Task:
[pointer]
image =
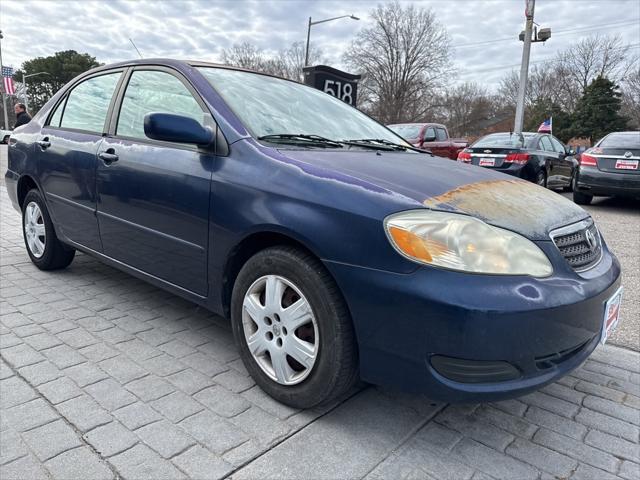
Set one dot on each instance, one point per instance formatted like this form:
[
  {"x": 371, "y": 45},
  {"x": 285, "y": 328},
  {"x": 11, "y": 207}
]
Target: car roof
[{"x": 417, "y": 124}]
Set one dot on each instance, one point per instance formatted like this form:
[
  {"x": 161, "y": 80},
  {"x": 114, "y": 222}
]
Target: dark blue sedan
[{"x": 337, "y": 250}]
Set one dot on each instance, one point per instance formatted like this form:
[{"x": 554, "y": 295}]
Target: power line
[{"x": 559, "y": 32}]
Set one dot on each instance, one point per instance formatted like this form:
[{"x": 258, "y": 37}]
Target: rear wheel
[
  {"x": 43, "y": 246},
  {"x": 541, "y": 178},
  {"x": 293, "y": 328},
  {"x": 581, "y": 198}
]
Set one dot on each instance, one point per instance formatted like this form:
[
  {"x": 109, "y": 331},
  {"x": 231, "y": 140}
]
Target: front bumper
[
  {"x": 543, "y": 327},
  {"x": 593, "y": 181}
]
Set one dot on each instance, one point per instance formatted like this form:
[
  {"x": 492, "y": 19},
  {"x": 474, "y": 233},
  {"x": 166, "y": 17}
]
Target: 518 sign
[{"x": 341, "y": 90}]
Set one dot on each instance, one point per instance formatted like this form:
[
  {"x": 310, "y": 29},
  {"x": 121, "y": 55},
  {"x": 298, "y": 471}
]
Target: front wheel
[
  {"x": 44, "y": 248},
  {"x": 541, "y": 178},
  {"x": 293, "y": 328}
]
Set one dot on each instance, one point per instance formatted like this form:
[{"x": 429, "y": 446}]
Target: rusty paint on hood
[{"x": 516, "y": 205}]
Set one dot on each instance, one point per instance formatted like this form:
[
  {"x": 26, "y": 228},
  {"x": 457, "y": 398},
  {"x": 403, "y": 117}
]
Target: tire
[
  {"x": 327, "y": 331},
  {"x": 570, "y": 187},
  {"x": 44, "y": 248},
  {"x": 581, "y": 198},
  {"x": 541, "y": 178}
]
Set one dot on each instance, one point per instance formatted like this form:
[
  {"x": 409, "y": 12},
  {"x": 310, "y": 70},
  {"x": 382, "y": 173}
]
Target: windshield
[
  {"x": 621, "y": 140},
  {"x": 406, "y": 131},
  {"x": 271, "y": 106},
  {"x": 502, "y": 140}
]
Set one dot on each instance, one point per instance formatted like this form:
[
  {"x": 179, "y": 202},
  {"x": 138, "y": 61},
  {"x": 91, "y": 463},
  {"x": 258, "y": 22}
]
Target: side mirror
[
  {"x": 176, "y": 128},
  {"x": 570, "y": 151}
]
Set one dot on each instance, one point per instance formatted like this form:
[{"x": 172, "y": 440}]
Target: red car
[{"x": 430, "y": 136}]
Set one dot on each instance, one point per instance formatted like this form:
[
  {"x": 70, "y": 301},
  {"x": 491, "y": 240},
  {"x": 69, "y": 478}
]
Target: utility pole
[
  {"x": 311, "y": 23},
  {"x": 4, "y": 101},
  {"x": 524, "y": 67}
]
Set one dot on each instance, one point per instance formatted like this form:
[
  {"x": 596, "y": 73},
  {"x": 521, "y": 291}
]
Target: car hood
[{"x": 440, "y": 184}]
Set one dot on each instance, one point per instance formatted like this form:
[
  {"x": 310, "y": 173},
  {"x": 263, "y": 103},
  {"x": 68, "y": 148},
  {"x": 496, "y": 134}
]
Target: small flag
[
  {"x": 546, "y": 126},
  {"x": 7, "y": 81}
]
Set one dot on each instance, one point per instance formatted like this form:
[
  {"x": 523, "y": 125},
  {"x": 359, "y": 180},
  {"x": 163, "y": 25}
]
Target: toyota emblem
[{"x": 591, "y": 239}]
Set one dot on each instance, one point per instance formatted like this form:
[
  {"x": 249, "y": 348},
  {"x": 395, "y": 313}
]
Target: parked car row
[{"x": 430, "y": 136}]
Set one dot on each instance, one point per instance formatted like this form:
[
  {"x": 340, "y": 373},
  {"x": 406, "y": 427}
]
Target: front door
[
  {"x": 66, "y": 152},
  {"x": 153, "y": 197}
]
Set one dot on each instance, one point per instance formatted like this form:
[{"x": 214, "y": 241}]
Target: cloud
[{"x": 202, "y": 29}]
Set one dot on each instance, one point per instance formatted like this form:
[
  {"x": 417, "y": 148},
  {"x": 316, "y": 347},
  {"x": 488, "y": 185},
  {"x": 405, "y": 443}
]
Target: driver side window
[
  {"x": 545, "y": 144},
  {"x": 429, "y": 134}
]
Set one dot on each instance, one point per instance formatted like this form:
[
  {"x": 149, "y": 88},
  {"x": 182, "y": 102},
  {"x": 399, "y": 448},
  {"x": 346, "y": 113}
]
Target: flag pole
[{"x": 551, "y": 125}]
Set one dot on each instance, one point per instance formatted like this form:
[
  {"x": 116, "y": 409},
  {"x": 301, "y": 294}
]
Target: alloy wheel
[
  {"x": 34, "y": 229},
  {"x": 280, "y": 329}
]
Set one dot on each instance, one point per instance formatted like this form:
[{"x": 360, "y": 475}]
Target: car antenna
[{"x": 134, "y": 46}]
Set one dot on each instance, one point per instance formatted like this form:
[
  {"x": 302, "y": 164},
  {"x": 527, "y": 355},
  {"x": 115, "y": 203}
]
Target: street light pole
[
  {"x": 524, "y": 67},
  {"x": 24, "y": 81},
  {"x": 306, "y": 54},
  {"x": 4, "y": 102}
]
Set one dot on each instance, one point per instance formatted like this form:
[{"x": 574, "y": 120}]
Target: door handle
[
  {"x": 108, "y": 157},
  {"x": 44, "y": 143}
]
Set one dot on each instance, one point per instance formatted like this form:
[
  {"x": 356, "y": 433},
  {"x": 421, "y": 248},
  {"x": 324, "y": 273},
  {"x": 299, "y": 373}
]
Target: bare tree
[
  {"x": 464, "y": 106},
  {"x": 404, "y": 58},
  {"x": 286, "y": 63},
  {"x": 631, "y": 97}
]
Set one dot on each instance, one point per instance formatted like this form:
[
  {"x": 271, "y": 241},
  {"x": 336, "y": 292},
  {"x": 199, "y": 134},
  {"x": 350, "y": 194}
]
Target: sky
[{"x": 483, "y": 33}]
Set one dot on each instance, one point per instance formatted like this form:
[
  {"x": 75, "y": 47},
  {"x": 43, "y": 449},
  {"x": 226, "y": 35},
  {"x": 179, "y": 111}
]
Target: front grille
[{"x": 573, "y": 243}]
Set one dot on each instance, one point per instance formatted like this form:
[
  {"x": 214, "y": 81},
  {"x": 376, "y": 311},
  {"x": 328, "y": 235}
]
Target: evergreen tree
[
  {"x": 598, "y": 112},
  {"x": 544, "y": 108}
]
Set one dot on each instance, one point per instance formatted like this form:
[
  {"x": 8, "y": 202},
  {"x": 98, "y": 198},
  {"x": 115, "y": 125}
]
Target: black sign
[{"x": 335, "y": 82}]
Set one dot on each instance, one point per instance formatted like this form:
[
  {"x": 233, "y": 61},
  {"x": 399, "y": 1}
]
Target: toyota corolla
[{"x": 337, "y": 251}]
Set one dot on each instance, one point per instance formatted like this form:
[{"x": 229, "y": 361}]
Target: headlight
[{"x": 460, "y": 242}]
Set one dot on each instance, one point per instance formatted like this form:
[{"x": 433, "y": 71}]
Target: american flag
[
  {"x": 7, "y": 81},
  {"x": 546, "y": 126}
]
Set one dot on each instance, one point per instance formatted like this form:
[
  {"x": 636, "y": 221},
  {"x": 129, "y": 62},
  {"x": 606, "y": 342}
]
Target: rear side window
[
  {"x": 441, "y": 134},
  {"x": 545, "y": 144},
  {"x": 158, "y": 92},
  {"x": 87, "y": 104}
]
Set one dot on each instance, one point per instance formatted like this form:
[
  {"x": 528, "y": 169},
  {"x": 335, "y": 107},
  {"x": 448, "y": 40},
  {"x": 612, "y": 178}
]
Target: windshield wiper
[
  {"x": 301, "y": 139},
  {"x": 380, "y": 144}
]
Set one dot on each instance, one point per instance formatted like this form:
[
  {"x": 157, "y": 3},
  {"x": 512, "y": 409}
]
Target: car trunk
[
  {"x": 618, "y": 160},
  {"x": 491, "y": 156}
]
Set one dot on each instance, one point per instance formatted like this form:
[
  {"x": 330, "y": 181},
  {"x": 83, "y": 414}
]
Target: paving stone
[
  {"x": 136, "y": 415},
  {"x": 177, "y": 349},
  {"x": 110, "y": 394},
  {"x": 438, "y": 438},
  {"x": 492, "y": 462},
  {"x": 617, "y": 357},
  {"x": 85, "y": 374},
  {"x": 200, "y": 463},
  {"x": 627, "y": 387},
  {"x": 629, "y": 470},
  {"x": 9, "y": 340},
  {"x": 165, "y": 438},
  {"x": 215, "y": 433},
  {"x": 27, "y": 331},
  {"x": 79, "y": 463},
  {"x": 138, "y": 350},
  {"x": 14, "y": 391},
  {"x": 475, "y": 428},
  {"x": 600, "y": 391},
  {"x": 98, "y": 352},
  {"x": 613, "y": 409},
  {"x": 94, "y": 324},
  {"x": 84, "y": 413},
  {"x": 234, "y": 381},
  {"x": 122, "y": 369},
  {"x": 565, "y": 393},
  {"x": 256, "y": 396},
  {"x": 576, "y": 449},
  {"x": 77, "y": 338},
  {"x": 222, "y": 402},
  {"x": 63, "y": 356},
  {"x": 608, "y": 424},
  {"x": 110, "y": 439},
  {"x": 261, "y": 426},
  {"x": 24, "y": 468},
  {"x": 114, "y": 335},
  {"x": 204, "y": 364},
  {"x": 11, "y": 447},
  {"x": 13, "y": 320},
  {"x": 163, "y": 365},
  {"x": 614, "y": 445},
  {"x": 552, "y": 404},
  {"x": 28, "y": 415},
  {"x": 40, "y": 373},
  {"x": 176, "y": 406},
  {"x": 43, "y": 341},
  {"x": 59, "y": 326},
  {"x": 542, "y": 458},
  {"x": 150, "y": 388},
  {"x": 510, "y": 423},
  {"x": 21, "y": 355},
  {"x": 190, "y": 381},
  {"x": 51, "y": 439},
  {"x": 556, "y": 423},
  {"x": 140, "y": 462},
  {"x": 586, "y": 472},
  {"x": 59, "y": 390}
]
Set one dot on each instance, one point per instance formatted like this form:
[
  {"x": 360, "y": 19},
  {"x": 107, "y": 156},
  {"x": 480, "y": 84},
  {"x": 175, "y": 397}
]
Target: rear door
[
  {"x": 66, "y": 154},
  {"x": 554, "y": 172},
  {"x": 564, "y": 166},
  {"x": 441, "y": 146},
  {"x": 153, "y": 197}
]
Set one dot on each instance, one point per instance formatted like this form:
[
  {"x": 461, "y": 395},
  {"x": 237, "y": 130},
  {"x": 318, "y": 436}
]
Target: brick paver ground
[{"x": 103, "y": 376}]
